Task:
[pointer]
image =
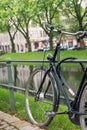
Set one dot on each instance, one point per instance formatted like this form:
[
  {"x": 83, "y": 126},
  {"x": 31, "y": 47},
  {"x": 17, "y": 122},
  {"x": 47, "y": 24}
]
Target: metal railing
[{"x": 10, "y": 84}]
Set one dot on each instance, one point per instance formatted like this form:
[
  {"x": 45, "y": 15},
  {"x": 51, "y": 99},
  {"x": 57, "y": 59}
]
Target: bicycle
[{"x": 42, "y": 94}]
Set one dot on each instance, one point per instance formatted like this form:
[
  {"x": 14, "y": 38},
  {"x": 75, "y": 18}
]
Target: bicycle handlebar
[
  {"x": 84, "y": 34},
  {"x": 81, "y": 34}
]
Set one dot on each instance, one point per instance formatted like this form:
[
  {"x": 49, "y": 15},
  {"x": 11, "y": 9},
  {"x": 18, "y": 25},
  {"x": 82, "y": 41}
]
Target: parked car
[
  {"x": 85, "y": 47},
  {"x": 43, "y": 49},
  {"x": 63, "y": 48},
  {"x": 40, "y": 49},
  {"x": 46, "y": 48},
  {"x": 74, "y": 48}
]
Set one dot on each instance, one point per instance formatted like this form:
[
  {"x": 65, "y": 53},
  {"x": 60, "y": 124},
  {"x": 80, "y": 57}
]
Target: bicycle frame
[
  {"x": 61, "y": 83},
  {"x": 56, "y": 71},
  {"x": 73, "y": 107}
]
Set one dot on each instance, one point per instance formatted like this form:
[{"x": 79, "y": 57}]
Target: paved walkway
[{"x": 8, "y": 122}]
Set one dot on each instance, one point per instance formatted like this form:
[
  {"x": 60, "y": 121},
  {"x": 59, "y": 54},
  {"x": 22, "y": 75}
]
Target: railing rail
[
  {"x": 10, "y": 84},
  {"x": 40, "y": 61}
]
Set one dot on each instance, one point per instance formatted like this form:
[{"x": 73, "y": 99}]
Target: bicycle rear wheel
[
  {"x": 83, "y": 108},
  {"x": 47, "y": 99}
]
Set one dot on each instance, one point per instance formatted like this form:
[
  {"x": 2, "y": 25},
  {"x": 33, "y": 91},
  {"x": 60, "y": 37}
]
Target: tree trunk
[
  {"x": 12, "y": 44},
  {"x": 82, "y": 45},
  {"x": 51, "y": 41},
  {"x": 28, "y": 44},
  {"x": 11, "y": 38},
  {"x": 13, "y": 47}
]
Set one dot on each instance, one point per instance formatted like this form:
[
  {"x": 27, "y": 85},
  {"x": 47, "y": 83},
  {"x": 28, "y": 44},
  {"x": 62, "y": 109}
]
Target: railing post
[{"x": 10, "y": 83}]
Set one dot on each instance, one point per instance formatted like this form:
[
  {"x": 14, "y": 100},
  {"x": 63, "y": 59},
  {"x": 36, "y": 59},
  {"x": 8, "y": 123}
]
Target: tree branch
[{"x": 56, "y": 8}]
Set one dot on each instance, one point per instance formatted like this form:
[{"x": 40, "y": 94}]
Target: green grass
[
  {"x": 82, "y": 54},
  {"x": 60, "y": 122},
  {"x": 19, "y": 110}
]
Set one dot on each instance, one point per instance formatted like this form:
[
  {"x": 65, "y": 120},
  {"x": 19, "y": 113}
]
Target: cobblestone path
[{"x": 8, "y": 122}]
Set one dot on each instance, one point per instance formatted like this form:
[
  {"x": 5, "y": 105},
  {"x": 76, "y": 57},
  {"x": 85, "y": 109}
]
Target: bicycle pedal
[{"x": 50, "y": 113}]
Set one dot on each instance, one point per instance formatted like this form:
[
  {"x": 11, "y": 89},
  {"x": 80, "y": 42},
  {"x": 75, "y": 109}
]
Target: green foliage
[
  {"x": 2, "y": 26},
  {"x": 3, "y": 15},
  {"x": 74, "y": 27},
  {"x": 73, "y": 9}
]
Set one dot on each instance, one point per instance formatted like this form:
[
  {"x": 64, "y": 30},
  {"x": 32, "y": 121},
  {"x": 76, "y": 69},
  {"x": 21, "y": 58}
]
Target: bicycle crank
[{"x": 52, "y": 113}]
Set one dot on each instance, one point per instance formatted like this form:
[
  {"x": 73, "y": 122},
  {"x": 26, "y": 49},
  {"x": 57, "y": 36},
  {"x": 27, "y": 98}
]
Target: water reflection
[
  {"x": 73, "y": 77},
  {"x": 3, "y": 74},
  {"x": 21, "y": 73}
]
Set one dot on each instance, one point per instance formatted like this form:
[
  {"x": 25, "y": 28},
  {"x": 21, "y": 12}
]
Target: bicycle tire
[
  {"x": 83, "y": 108},
  {"x": 36, "y": 109}
]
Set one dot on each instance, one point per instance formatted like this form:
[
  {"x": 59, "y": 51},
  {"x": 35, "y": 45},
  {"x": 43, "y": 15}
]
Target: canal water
[{"x": 21, "y": 73}]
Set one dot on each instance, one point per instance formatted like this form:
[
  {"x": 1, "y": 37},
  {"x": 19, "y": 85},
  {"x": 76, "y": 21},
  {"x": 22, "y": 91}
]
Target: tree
[
  {"x": 48, "y": 12},
  {"x": 23, "y": 15},
  {"x": 75, "y": 9},
  {"x": 11, "y": 35},
  {"x": 17, "y": 16},
  {"x": 5, "y": 20}
]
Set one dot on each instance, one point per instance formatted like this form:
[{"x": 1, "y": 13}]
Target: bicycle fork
[{"x": 40, "y": 95}]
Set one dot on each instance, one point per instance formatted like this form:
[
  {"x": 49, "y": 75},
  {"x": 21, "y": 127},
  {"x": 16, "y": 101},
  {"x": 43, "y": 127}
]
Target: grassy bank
[
  {"x": 60, "y": 122},
  {"x": 82, "y": 54}
]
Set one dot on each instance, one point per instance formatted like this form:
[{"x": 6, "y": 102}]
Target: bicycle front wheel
[
  {"x": 83, "y": 109},
  {"x": 47, "y": 99}
]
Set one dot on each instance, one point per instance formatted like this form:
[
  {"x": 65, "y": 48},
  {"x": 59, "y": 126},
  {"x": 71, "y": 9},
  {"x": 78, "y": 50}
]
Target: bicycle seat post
[
  {"x": 58, "y": 53},
  {"x": 58, "y": 48}
]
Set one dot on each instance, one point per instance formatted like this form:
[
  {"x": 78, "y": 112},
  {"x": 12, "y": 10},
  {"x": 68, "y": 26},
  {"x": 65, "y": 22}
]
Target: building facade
[
  {"x": 38, "y": 39},
  {"x": 37, "y": 35}
]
